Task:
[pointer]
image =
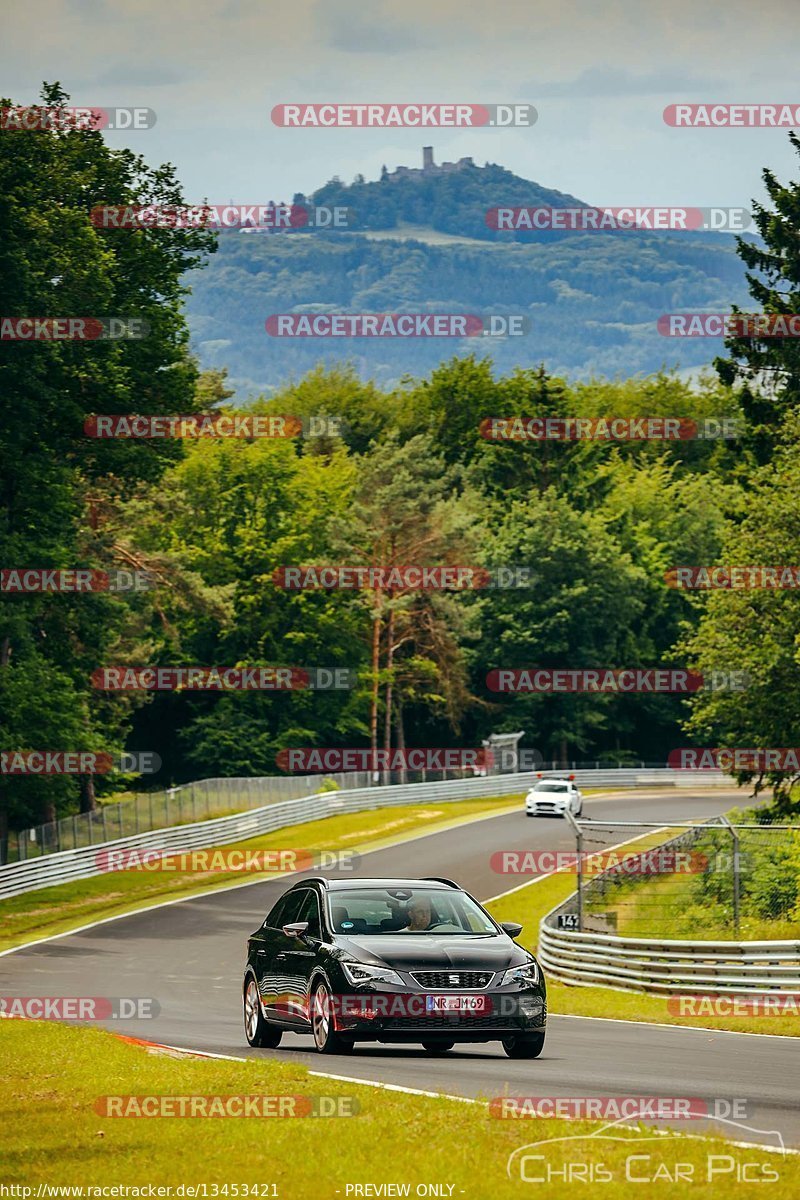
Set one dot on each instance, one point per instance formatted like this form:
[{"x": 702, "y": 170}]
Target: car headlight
[
  {"x": 357, "y": 972},
  {"x": 525, "y": 976}
]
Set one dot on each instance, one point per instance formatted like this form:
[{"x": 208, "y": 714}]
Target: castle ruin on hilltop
[{"x": 429, "y": 167}]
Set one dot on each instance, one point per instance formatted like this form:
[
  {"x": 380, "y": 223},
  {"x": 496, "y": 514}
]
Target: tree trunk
[
  {"x": 3, "y": 827},
  {"x": 401, "y": 735},
  {"x": 376, "y": 662},
  {"x": 563, "y": 748},
  {"x": 387, "y": 723},
  {"x": 88, "y": 801}
]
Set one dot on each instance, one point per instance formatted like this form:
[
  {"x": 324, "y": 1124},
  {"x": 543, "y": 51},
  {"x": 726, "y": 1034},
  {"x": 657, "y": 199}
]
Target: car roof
[{"x": 338, "y": 884}]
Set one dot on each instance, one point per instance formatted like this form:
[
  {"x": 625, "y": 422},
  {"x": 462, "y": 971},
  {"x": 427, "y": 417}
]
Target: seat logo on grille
[{"x": 455, "y": 980}]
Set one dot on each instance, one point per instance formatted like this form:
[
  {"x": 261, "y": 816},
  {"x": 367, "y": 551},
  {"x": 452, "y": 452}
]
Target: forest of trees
[{"x": 408, "y": 479}]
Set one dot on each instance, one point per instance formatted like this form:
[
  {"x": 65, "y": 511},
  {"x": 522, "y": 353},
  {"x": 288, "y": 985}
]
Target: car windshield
[
  {"x": 552, "y": 787},
  {"x": 399, "y": 910}
]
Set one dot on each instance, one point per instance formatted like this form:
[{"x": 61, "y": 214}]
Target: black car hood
[{"x": 405, "y": 952}]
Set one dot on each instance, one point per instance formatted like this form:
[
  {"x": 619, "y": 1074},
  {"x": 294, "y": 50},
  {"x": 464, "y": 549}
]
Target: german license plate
[{"x": 465, "y": 1004}]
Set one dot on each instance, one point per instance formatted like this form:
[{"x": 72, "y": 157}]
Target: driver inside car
[{"x": 419, "y": 915}]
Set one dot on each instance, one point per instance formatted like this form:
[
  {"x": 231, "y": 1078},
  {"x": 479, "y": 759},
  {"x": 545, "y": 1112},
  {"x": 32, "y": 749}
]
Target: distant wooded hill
[{"x": 593, "y": 299}]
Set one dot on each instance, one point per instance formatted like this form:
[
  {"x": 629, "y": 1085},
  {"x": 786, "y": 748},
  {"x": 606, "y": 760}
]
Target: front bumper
[
  {"x": 545, "y": 808},
  {"x": 406, "y": 1016}
]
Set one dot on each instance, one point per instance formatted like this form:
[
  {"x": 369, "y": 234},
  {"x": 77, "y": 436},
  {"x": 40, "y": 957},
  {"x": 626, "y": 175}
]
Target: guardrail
[
  {"x": 590, "y": 958},
  {"x": 668, "y": 966},
  {"x": 86, "y": 861}
]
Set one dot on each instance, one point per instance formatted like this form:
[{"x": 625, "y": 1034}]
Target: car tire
[
  {"x": 527, "y": 814},
  {"x": 524, "y": 1045},
  {"x": 441, "y": 1047},
  {"x": 257, "y": 1031},
  {"x": 326, "y": 1039}
]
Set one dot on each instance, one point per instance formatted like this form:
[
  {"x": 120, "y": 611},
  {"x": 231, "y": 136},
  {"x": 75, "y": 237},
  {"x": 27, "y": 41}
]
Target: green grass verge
[
  {"x": 529, "y": 905},
  {"x": 55, "y": 1075},
  {"x": 67, "y": 906}
]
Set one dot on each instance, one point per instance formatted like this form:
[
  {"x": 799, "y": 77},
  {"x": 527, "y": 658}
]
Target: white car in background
[{"x": 554, "y": 797}]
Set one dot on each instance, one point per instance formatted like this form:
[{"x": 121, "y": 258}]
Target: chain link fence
[
  {"x": 709, "y": 880},
  {"x": 146, "y": 811}
]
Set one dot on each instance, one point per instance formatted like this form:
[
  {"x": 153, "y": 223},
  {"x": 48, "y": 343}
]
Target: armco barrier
[
  {"x": 69, "y": 865},
  {"x": 668, "y": 966}
]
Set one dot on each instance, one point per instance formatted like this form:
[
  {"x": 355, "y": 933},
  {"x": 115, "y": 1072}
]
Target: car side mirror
[
  {"x": 296, "y": 929},
  {"x": 512, "y": 928}
]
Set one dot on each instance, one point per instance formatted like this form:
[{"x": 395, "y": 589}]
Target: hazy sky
[{"x": 600, "y": 73}]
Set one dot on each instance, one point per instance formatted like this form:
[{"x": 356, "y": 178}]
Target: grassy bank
[{"x": 56, "y": 1079}]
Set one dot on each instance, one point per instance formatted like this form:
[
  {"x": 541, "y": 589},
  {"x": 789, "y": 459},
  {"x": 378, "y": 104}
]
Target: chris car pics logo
[{"x": 616, "y": 1153}]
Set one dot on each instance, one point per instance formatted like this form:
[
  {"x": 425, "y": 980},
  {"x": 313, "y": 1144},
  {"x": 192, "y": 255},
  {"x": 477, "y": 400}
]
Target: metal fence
[
  {"x": 145, "y": 811},
  {"x": 208, "y": 798},
  {"x": 87, "y": 861},
  {"x": 715, "y": 875},
  {"x": 633, "y": 919}
]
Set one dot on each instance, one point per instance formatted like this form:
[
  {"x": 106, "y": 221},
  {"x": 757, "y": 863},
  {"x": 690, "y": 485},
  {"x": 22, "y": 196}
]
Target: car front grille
[
  {"x": 434, "y": 1021},
  {"x": 445, "y": 981}
]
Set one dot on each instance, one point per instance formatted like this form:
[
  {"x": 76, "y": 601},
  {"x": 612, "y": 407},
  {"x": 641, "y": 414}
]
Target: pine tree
[{"x": 767, "y": 369}]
